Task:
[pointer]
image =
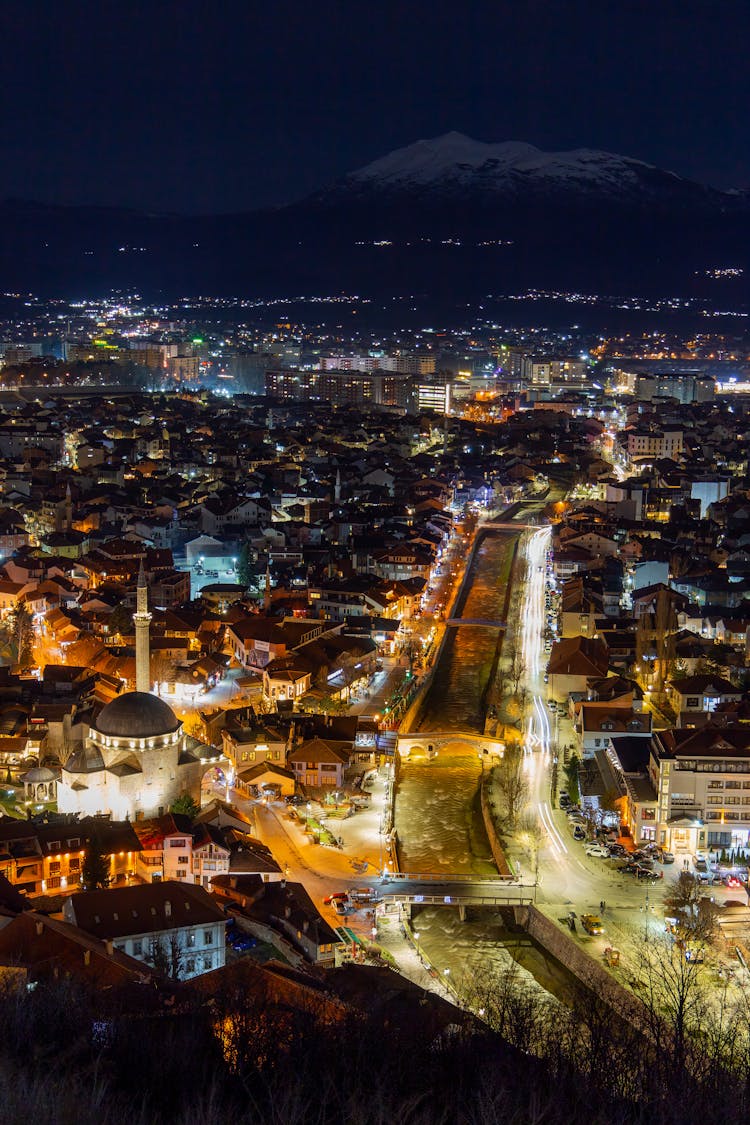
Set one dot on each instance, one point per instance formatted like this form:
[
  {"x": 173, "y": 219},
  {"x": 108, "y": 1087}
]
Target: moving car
[
  {"x": 340, "y": 907},
  {"x": 732, "y": 881},
  {"x": 592, "y": 923}
]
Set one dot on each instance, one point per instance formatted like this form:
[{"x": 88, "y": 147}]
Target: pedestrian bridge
[
  {"x": 428, "y": 744},
  {"x": 430, "y": 889}
]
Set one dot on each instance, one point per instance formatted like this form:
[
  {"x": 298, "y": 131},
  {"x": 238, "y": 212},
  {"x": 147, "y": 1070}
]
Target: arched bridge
[{"x": 430, "y": 743}]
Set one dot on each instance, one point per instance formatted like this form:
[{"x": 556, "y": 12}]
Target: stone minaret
[
  {"x": 142, "y": 620},
  {"x": 68, "y": 509},
  {"x": 267, "y": 594},
  {"x": 337, "y": 488}
]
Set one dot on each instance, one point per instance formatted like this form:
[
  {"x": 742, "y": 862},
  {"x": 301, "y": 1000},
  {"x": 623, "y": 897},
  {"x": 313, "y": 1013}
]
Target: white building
[
  {"x": 136, "y": 760},
  {"x": 171, "y": 926},
  {"x": 702, "y": 777}
]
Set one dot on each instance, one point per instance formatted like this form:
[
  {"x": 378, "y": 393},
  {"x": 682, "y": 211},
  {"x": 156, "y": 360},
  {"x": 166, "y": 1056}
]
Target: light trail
[{"x": 538, "y": 732}]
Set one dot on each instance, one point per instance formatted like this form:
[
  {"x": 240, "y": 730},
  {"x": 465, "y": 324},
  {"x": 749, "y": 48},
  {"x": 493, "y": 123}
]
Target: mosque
[{"x": 137, "y": 760}]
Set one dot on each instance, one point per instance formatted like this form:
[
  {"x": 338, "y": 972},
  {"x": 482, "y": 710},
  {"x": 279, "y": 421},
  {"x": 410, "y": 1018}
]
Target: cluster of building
[{"x": 648, "y": 627}]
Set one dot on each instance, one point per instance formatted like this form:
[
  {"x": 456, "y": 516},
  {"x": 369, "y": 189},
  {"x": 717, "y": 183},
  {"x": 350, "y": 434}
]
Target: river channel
[{"x": 437, "y": 813}]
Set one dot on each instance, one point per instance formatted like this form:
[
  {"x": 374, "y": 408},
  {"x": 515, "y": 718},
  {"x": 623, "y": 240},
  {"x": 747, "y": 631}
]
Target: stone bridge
[{"x": 428, "y": 744}]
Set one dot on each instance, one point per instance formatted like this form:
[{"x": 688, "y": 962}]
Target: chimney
[
  {"x": 287, "y": 911},
  {"x": 108, "y": 945},
  {"x": 167, "y": 909},
  {"x": 305, "y": 926},
  {"x": 87, "y": 956},
  {"x": 39, "y": 927}
]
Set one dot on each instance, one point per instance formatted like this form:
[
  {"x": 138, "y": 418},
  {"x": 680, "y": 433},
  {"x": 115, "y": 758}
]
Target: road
[{"x": 568, "y": 879}]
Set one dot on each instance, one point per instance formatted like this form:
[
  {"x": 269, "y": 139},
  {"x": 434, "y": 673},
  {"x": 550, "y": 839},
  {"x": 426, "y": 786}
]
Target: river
[{"x": 437, "y": 815}]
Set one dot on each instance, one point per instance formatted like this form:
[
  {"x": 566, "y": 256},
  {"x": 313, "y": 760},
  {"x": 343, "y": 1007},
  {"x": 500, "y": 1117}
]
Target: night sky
[{"x": 221, "y": 106}]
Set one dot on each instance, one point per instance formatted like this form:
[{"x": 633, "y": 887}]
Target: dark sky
[{"x": 224, "y": 105}]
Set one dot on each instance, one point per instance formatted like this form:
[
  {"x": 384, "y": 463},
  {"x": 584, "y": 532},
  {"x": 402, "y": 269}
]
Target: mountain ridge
[{"x": 448, "y": 217}]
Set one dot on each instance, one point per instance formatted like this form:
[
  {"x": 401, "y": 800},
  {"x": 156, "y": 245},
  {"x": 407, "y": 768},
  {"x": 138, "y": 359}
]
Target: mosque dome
[
  {"x": 136, "y": 714},
  {"x": 86, "y": 760},
  {"x": 38, "y": 774}
]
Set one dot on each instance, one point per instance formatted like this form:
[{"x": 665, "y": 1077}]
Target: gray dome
[
  {"x": 136, "y": 714},
  {"x": 86, "y": 760},
  {"x": 38, "y": 773}
]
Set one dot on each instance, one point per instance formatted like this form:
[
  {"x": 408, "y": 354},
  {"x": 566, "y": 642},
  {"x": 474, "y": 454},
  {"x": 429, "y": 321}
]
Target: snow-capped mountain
[
  {"x": 449, "y": 218},
  {"x": 455, "y": 165}
]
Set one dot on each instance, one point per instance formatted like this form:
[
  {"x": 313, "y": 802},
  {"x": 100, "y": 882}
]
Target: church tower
[{"x": 142, "y": 620}]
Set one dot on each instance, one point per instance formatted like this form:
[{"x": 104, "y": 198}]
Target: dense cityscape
[
  {"x": 330, "y": 657},
  {"x": 375, "y": 564}
]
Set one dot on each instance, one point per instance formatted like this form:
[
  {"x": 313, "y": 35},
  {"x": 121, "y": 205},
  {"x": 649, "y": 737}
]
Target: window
[
  {"x": 208, "y": 962},
  {"x": 190, "y": 940},
  {"x": 75, "y": 864},
  {"x": 178, "y": 843},
  {"x": 190, "y": 965},
  {"x": 183, "y": 859},
  {"x": 54, "y": 868},
  {"x": 692, "y": 702},
  {"x": 208, "y": 937},
  {"x": 138, "y": 948}
]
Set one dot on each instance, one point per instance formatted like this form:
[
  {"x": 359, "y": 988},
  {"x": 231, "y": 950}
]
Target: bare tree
[
  {"x": 517, "y": 670},
  {"x": 695, "y": 913},
  {"x": 511, "y": 784}
]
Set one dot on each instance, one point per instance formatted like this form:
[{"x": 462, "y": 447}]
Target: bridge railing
[{"x": 436, "y": 877}]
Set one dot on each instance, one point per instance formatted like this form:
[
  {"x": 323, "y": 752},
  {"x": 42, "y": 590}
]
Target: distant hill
[{"x": 450, "y": 218}]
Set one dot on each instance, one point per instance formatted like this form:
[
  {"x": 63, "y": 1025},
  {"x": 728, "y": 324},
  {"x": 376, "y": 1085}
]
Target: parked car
[
  {"x": 732, "y": 881},
  {"x": 665, "y": 856},
  {"x": 294, "y": 799},
  {"x": 597, "y": 851},
  {"x": 700, "y": 864},
  {"x": 592, "y": 924},
  {"x": 340, "y": 907},
  {"x": 648, "y": 875},
  {"x": 616, "y": 850},
  {"x": 243, "y": 943},
  {"x": 339, "y": 896},
  {"x": 579, "y": 832}
]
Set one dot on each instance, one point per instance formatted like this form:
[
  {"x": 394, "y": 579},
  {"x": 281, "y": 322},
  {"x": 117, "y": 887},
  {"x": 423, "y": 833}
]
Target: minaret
[
  {"x": 267, "y": 594},
  {"x": 337, "y": 488},
  {"x": 142, "y": 620},
  {"x": 68, "y": 508}
]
